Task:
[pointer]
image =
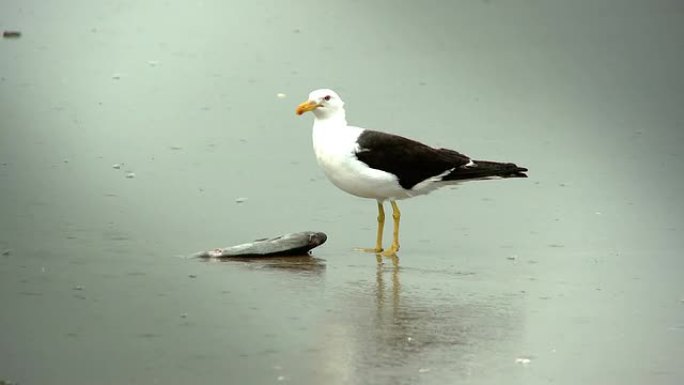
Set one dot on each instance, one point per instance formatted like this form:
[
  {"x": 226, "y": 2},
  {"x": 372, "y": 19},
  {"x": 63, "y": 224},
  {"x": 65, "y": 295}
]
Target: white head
[{"x": 324, "y": 103}]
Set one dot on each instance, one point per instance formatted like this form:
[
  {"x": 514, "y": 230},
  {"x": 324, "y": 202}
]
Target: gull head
[{"x": 323, "y": 103}]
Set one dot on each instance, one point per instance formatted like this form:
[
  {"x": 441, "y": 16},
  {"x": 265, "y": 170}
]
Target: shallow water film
[{"x": 136, "y": 133}]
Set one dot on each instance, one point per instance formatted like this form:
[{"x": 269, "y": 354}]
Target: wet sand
[
  {"x": 340, "y": 317},
  {"x": 128, "y": 143}
]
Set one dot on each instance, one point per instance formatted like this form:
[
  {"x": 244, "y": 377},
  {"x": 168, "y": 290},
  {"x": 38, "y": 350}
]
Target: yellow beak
[{"x": 306, "y": 107}]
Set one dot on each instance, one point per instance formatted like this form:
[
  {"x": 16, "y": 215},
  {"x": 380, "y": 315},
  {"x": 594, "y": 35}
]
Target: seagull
[{"x": 377, "y": 165}]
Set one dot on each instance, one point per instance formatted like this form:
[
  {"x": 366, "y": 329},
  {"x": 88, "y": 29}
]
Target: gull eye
[{"x": 326, "y": 98}]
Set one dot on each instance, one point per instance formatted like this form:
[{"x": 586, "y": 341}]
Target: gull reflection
[
  {"x": 381, "y": 286},
  {"x": 409, "y": 323}
]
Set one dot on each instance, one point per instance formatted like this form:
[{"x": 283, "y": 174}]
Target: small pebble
[
  {"x": 116, "y": 166},
  {"x": 241, "y": 200},
  {"x": 152, "y": 63},
  {"x": 130, "y": 175},
  {"x": 423, "y": 370},
  {"x": 78, "y": 287},
  {"x": 281, "y": 95},
  {"x": 512, "y": 258},
  {"x": 116, "y": 76},
  {"x": 184, "y": 315},
  {"x": 11, "y": 34},
  {"x": 523, "y": 361},
  {"x": 192, "y": 276},
  {"x": 409, "y": 339},
  {"x": 7, "y": 252}
]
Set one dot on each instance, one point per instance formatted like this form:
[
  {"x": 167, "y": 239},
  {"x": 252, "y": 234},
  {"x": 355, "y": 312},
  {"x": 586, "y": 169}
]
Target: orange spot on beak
[{"x": 306, "y": 107}]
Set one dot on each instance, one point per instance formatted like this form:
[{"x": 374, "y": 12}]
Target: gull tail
[{"x": 483, "y": 169}]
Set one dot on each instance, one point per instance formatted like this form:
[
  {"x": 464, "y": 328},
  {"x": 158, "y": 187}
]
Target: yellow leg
[
  {"x": 381, "y": 226},
  {"x": 396, "y": 215}
]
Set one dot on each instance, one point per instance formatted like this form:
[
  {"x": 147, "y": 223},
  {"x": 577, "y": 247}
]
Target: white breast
[{"x": 334, "y": 145}]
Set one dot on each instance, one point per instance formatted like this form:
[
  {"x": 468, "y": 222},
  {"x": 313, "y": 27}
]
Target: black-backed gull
[{"x": 381, "y": 166}]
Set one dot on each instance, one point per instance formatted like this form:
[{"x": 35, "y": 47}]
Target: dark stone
[{"x": 11, "y": 34}]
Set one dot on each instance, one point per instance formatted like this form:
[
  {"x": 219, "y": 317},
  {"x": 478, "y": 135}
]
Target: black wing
[
  {"x": 485, "y": 169},
  {"x": 412, "y": 162}
]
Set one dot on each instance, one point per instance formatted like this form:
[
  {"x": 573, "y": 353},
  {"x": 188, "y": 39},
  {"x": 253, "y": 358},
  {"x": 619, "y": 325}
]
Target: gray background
[{"x": 577, "y": 269}]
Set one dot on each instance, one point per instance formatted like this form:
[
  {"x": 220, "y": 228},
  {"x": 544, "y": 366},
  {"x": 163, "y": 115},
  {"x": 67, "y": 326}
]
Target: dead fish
[{"x": 288, "y": 244}]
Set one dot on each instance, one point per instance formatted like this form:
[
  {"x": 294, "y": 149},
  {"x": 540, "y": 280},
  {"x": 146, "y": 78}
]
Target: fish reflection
[{"x": 297, "y": 264}]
